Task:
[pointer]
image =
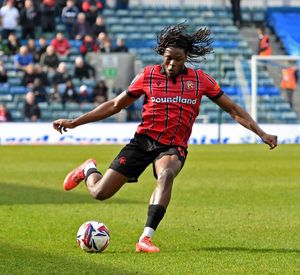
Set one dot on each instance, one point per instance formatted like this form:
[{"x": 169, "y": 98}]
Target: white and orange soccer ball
[{"x": 93, "y": 236}]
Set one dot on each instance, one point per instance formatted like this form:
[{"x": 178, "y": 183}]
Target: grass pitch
[{"x": 235, "y": 210}]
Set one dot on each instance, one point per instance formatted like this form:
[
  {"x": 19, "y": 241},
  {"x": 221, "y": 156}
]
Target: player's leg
[
  {"x": 126, "y": 167},
  {"x": 166, "y": 168},
  {"x": 103, "y": 187},
  {"x": 100, "y": 187}
]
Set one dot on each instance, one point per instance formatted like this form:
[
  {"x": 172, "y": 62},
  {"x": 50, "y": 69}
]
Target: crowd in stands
[
  {"x": 40, "y": 58},
  {"x": 44, "y": 46}
]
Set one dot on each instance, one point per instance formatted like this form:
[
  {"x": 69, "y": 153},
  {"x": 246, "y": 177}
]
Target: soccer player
[{"x": 172, "y": 94}]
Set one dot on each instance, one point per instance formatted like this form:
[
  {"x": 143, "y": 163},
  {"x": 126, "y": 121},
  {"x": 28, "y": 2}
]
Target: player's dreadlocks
[{"x": 195, "y": 45}]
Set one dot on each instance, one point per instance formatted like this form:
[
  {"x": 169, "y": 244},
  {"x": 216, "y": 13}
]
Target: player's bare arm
[
  {"x": 102, "y": 111},
  {"x": 243, "y": 118}
]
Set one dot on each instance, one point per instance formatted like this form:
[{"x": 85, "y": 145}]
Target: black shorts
[{"x": 142, "y": 150}]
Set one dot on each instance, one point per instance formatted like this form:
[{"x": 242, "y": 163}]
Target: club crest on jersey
[
  {"x": 158, "y": 82},
  {"x": 189, "y": 85},
  {"x": 122, "y": 160}
]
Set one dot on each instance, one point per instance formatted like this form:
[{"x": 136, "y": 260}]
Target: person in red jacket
[
  {"x": 92, "y": 8},
  {"x": 289, "y": 82},
  {"x": 264, "y": 47},
  {"x": 88, "y": 45},
  {"x": 172, "y": 97},
  {"x": 61, "y": 45}
]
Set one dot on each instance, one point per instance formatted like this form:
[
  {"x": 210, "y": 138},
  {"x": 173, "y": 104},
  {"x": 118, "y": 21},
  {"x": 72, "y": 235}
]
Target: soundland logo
[{"x": 176, "y": 99}]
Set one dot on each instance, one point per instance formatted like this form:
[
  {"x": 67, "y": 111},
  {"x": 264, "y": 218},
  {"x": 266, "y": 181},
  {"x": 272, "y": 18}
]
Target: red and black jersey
[{"x": 171, "y": 105}]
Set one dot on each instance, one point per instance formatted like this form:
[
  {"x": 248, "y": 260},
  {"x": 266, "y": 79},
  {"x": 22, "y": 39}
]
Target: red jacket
[{"x": 61, "y": 47}]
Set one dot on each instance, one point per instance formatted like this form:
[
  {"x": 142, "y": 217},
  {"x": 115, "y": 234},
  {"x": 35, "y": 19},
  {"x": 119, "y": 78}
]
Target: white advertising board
[{"x": 121, "y": 133}]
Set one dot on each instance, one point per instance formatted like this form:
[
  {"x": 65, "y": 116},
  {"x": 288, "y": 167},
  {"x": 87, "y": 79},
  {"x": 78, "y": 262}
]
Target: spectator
[
  {"x": 99, "y": 26},
  {"x": 42, "y": 47},
  {"x": 23, "y": 58},
  {"x": 29, "y": 19},
  {"x": 99, "y": 94},
  {"x": 83, "y": 94},
  {"x": 29, "y": 75},
  {"x": 264, "y": 47},
  {"x": 69, "y": 94},
  {"x": 91, "y": 8},
  {"x": 31, "y": 47},
  {"x": 49, "y": 60},
  {"x": 69, "y": 15},
  {"x": 102, "y": 37},
  {"x": 120, "y": 48},
  {"x": 61, "y": 77},
  {"x": 19, "y": 4},
  {"x": 236, "y": 12},
  {"x": 54, "y": 95},
  {"x": 9, "y": 16},
  {"x": 289, "y": 82},
  {"x": 3, "y": 47},
  {"x": 61, "y": 45},
  {"x": 83, "y": 69},
  {"x": 81, "y": 28},
  {"x": 107, "y": 47},
  {"x": 13, "y": 44},
  {"x": 43, "y": 76},
  {"x": 47, "y": 9},
  {"x": 88, "y": 45},
  {"x": 59, "y": 5},
  {"x": 4, "y": 114},
  {"x": 3, "y": 74},
  {"x": 121, "y": 4},
  {"x": 32, "y": 111},
  {"x": 39, "y": 90}
]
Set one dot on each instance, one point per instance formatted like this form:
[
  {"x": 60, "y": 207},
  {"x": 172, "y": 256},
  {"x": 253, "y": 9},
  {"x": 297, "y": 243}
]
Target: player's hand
[
  {"x": 61, "y": 125},
  {"x": 271, "y": 140}
]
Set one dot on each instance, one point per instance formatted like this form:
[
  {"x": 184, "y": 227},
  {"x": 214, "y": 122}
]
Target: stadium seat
[
  {"x": 73, "y": 114},
  {"x": 18, "y": 89},
  {"x": 59, "y": 114},
  {"x": 290, "y": 117},
  {"x": 17, "y": 115},
  {"x": 6, "y": 97},
  {"x": 70, "y": 106},
  {"x": 85, "y": 107},
  {"x": 14, "y": 81},
  {"x": 4, "y": 88},
  {"x": 55, "y": 106}
]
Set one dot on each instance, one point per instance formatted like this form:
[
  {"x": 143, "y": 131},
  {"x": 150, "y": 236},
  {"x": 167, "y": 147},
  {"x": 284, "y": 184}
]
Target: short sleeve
[
  {"x": 136, "y": 87},
  {"x": 212, "y": 88}
]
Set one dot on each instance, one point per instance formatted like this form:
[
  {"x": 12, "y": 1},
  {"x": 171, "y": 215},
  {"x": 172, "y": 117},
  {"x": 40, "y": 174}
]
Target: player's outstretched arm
[
  {"x": 243, "y": 118},
  {"x": 102, "y": 111}
]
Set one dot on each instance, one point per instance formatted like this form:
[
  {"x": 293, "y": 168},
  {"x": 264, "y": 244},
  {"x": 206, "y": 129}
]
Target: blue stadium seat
[
  {"x": 230, "y": 90},
  {"x": 18, "y": 90},
  {"x": 4, "y": 88},
  {"x": 286, "y": 25},
  {"x": 268, "y": 90}
]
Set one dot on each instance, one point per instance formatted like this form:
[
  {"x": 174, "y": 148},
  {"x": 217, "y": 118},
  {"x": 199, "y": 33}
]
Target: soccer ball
[{"x": 93, "y": 236}]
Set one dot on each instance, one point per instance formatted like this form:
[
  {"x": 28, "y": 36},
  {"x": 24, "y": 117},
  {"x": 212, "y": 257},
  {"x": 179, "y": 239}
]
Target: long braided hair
[{"x": 197, "y": 44}]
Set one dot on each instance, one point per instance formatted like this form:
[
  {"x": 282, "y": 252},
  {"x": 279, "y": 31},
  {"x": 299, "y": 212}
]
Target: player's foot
[
  {"x": 76, "y": 176},
  {"x": 145, "y": 245}
]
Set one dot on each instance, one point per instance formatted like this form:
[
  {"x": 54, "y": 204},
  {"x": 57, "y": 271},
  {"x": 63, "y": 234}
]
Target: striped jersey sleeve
[
  {"x": 212, "y": 88},
  {"x": 136, "y": 87}
]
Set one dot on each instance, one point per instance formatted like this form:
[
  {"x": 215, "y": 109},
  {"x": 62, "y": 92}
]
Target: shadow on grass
[
  {"x": 17, "y": 194},
  {"x": 245, "y": 249},
  {"x": 27, "y": 260}
]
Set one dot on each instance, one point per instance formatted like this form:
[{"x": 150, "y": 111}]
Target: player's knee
[
  {"x": 100, "y": 195},
  {"x": 166, "y": 177}
]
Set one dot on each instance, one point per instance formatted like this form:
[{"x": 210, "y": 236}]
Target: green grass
[{"x": 235, "y": 210}]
